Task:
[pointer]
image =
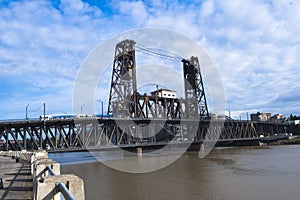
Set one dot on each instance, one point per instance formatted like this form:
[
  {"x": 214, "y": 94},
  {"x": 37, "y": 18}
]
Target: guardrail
[
  {"x": 48, "y": 183},
  {"x": 64, "y": 190},
  {"x": 51, "y": 172},
  {"x": 61, "y": 186}
]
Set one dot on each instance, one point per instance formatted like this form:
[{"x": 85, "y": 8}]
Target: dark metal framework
[
  {"x": 36, "y": 134},
  {"x": 194, "y": 88},
  {"x": 123, "y": 82},
  {"x": 91, "y": 132},
  {"x": 125, "y": 101},
  {"x": 155, "y": 107}
]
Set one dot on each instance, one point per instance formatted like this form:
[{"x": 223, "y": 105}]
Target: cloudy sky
[{"x": 255, "y": 46}]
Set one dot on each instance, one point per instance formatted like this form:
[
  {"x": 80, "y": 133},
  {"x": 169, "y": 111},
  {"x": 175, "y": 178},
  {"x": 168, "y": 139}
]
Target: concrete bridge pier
[
  {"x": 201, "y": 153},
  {"x": 133, "y": 152},
  {"x": 139, "y": 151}
]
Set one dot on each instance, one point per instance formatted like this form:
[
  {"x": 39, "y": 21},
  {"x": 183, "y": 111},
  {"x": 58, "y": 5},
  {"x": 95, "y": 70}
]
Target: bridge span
[{"x": 85, "y": 133}]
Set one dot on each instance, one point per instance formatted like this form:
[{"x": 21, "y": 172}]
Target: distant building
[
  {"x": 217, "y": 116},
  {"x": 164, "y": 93},
  {"x": 260, "y": 116},
  {"x": 277, "y": 118},
  {"x": 292, "y": 122}
]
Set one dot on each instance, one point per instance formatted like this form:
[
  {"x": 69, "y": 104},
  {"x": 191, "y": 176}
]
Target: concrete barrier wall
[
  {"x": 24, "y": 155},
  {"x": 45, "y": 184},
  {"x": 47, "y": 189}
]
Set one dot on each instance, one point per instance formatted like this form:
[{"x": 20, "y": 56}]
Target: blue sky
[{"x": 255, "y": 46}]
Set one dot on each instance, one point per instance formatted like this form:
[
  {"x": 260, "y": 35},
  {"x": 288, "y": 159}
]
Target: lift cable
[{"x": 155, "y": 53}]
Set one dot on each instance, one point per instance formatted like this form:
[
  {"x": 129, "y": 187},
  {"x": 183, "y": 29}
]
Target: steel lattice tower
[
  {"x": 194, "y": 88},
  {"x": 123, "y": 83}
]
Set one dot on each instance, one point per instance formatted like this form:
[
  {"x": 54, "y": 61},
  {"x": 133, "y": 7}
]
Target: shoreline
[{"x": 294, "y": 141}]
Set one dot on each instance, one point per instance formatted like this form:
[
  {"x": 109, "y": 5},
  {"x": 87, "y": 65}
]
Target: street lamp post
[
  {"x": 81, "y": 107},
  {"x": 229, "y": 114},
  {"x": 101, "y": 106},
  {"x": 26, "y": 116},
  {"x": 44, "y": 110},
  {"x": 241, "y": 115},
  {"x": 247, "y": 115}
]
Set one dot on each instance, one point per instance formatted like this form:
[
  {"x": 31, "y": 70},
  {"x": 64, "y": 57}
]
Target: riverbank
[{"x": 293, "y": 141}]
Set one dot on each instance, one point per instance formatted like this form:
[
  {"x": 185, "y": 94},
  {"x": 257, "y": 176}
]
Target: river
[{"x": 267, "y": 172}]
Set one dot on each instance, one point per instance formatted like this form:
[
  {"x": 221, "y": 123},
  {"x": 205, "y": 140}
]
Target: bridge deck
[{"x": 17, "y": 179}]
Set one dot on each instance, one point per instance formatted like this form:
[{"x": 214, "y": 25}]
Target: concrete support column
[
  {"x": 201, "y": 153},
  {"x": 139, "y": 152}
]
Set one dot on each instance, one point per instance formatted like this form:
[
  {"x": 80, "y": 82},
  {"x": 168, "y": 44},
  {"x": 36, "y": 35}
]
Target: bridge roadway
[{"x": 81, "y": 133}]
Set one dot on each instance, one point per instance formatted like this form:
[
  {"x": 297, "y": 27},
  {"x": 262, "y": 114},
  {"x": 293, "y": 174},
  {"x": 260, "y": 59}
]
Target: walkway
[{"x": 17, "y": 179}]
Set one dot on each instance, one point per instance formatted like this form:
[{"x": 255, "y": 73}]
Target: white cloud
[
  {"x": 254, "y": 51},
  {"x": 254, "y": 44},
  {"x": 207, "y": 8},
  {"x": 135, "y": 9},
  {"x": 43, "y": 47}
]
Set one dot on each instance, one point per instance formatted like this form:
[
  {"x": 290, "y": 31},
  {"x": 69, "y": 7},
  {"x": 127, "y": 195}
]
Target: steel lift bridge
[
  {"x": 148, "y": 121},
  {"x": 153, "y": 118}
]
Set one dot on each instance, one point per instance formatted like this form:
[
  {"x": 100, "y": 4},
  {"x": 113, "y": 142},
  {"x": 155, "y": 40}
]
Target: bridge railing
[
  {"x": 61, "y": 186},
  {"x": 64, "y": 190}
]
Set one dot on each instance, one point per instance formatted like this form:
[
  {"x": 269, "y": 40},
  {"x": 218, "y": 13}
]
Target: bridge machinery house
[
  {"x": 164, "y": 93},
  {"x": 260, "y": 116}
]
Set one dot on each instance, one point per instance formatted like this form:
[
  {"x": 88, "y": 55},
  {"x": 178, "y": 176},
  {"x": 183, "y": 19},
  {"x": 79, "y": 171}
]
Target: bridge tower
[
  {"x": 194, "y": 88},
  {"x": 122, "y": 96}
]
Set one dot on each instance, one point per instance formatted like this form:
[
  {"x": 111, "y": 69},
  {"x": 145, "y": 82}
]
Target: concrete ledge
[
  {"x": 47, "y": 188},
  {"x": 44, "y": 182},
  {"x": 41, "y": 164}
]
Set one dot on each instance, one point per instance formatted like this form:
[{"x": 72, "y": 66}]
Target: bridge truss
[{"x": 100, "y": 132}]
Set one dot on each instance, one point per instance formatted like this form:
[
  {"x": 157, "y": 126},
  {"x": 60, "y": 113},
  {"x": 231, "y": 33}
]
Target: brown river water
[{"x": 269, "y": 172}]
